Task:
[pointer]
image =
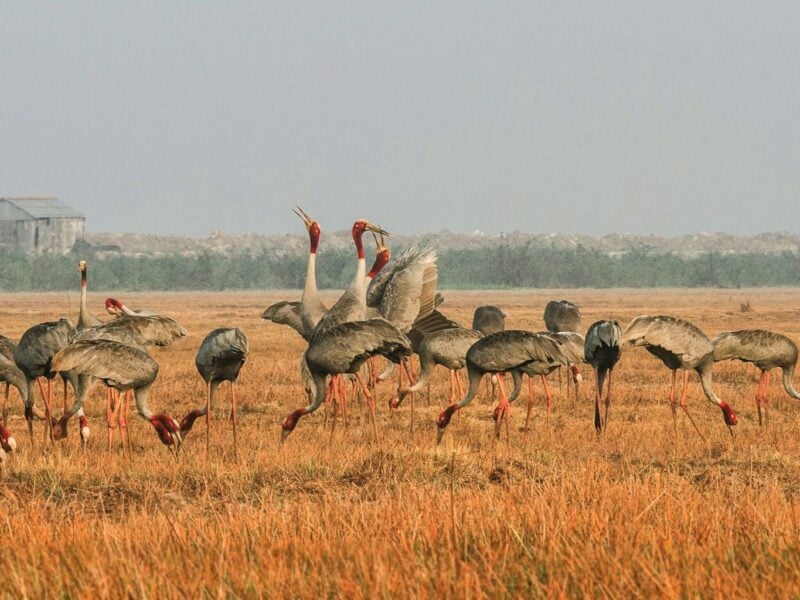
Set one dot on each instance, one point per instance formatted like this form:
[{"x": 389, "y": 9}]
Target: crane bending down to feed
[
  {"x": 679, "y": 345},
  {"x": 765, "y": 349},
  {"x": 34, "y": 355},
  {"x": 121, "y": 367},
  {"x": 502, "y": 352},
  {"x": 342, "y": 349},
  {"x": 562, "y": 316},
  {"x": 602, "y": 351},
  {"x": 221, "y": 356},
  {"x": 136, "y": 332},
  {"x": 449, "y": 348},
  {"x": 571, "y": 345}
]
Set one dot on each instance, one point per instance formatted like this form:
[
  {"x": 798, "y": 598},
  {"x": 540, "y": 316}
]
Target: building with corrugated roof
[{"x": 39, "y": 225}]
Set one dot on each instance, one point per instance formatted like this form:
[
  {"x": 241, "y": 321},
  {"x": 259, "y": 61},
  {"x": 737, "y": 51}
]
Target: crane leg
[
  {"x": 549, "y": 399},
  {"x": 233, "y": 417},
  {"x": 408, "y": 369},
  {"x": 684, "y": 390},
  {"x": 460, "y": 384},
  {"x": 760, "y": 395},
  {"x": 370, "y": 402},
  {"x": 124, "y": 425},
  {"x": 452, "y": 387},
  {"x": 672, "y": 402},
  {"x": 116, "y": 418},
  {"x": 47, "y": 413},
  {"x": 66, "y": 404},
  {"x": 121, "y": 412},
  {"x": 765, "y": 398},
  {"x": 531, "y": 400},
  {"x": 503, "y": 408},
  {"x": 608, "y": 400},
  {"x": 598, "y": 424},
  {"x": 110, "y": 417},
  {"x": 5, "y": 402},
  {"x": 208, "y": 419}
]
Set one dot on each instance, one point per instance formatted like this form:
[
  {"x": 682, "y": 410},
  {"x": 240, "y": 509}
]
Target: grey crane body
[
  {"x": 220, "y": 357},
  {"x": 9, "y": 371},
  {"x": 222, "y": 354},
  {"x": 448, "y": 346},
  {"x": 503, "y": 352},
  {"x": 123, "y": 368},
  {"x": 562, "y": 315},
  {"x": 343, "y": 349},
  {"x": 679, "y": 345},
  {"x": 765, "y": 349},
  {"x": 34, "y": 355},
  {"x": 602, "y": 351},
  {"x": 488, "y": 319}
]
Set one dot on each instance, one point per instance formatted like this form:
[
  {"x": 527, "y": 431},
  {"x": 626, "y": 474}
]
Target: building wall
[{"x": 56, "y": 235}]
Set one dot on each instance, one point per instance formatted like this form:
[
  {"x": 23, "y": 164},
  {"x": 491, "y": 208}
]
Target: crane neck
[
  {"x": 359, "y": 246},
  {"x": 787, "y": 383},
  {"x": 706, "y": 381},
  {"x": 310, "y": 287},
  {"x": 84, "y": 314},
  {"x": 142, "y": 397}
]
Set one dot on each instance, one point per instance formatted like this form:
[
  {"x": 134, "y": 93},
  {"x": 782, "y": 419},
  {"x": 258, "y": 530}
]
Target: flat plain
[{"x": 552, "y": 512}]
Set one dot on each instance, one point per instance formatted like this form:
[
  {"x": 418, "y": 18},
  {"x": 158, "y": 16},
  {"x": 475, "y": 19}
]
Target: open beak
[
  {"x": 380, "y": 244},
  {"x": 376, "y": 229},
  {"x": 303, "y": 215}
]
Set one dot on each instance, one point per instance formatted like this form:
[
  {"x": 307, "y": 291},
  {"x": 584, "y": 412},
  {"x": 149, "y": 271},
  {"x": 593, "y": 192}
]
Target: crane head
[
  {"x": 82, "y": 266},
  {"x": 188, "y": 421},
  {"x": 168, "y": 430},
  {"x": 7, "y": 441},
  {"x": 382, "y": 256},
  {"x": 290, "y": 422},
  {"x": 314, "y": 232},
  {"x": 83, "y": 423},
  {"x": 444, "y": 420},
  {"x": 114, "y": 307},
  {"x": 360, "y": 226},
  {"x": 729, "y": 414}
]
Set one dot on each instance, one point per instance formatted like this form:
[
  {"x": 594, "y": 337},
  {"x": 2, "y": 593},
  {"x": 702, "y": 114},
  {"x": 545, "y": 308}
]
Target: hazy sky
[{"x": 182, "y": 117}]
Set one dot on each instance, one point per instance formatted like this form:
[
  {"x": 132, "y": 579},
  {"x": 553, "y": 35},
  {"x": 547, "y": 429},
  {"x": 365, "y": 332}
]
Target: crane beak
[
  {"x": 303, "y": 215},
  {"x": 380, "y": 244},
  {"x": 376, "y": 229},
  {"x": 439, "y": 435}
]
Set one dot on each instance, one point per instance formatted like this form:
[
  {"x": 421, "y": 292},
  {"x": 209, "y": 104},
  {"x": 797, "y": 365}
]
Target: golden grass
[{"x": 546, "y": 513}]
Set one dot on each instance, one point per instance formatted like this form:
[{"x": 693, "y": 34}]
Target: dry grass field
[{"x": 552, "y": 512}]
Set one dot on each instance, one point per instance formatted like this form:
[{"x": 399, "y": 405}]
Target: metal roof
[{"x": 44, "y": 207}]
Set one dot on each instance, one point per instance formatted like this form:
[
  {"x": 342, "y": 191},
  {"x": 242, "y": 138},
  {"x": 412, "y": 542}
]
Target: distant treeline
[{"x": 503, "y": 267}]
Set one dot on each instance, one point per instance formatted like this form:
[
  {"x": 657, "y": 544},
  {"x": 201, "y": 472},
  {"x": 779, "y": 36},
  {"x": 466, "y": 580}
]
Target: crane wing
[
  {"x": 344, "y": 347},
  {"x": 677, "y": 336},
  {"x": 117, "y": 364},
  {"x": 406, "y": 292},
  {"x": 155, "y": 330}
]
